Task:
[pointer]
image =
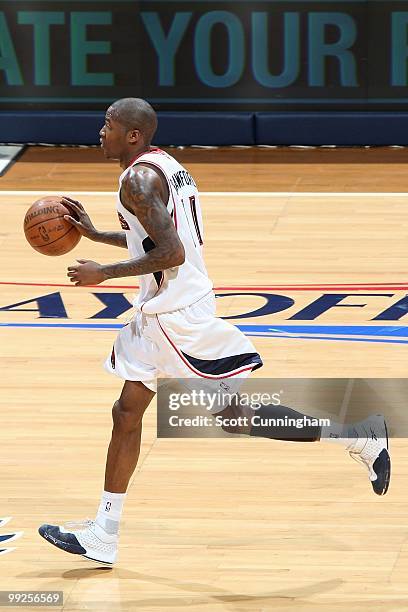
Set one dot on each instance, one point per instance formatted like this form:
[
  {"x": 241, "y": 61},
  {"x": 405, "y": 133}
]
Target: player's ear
[{"x": 134, "y": 136}]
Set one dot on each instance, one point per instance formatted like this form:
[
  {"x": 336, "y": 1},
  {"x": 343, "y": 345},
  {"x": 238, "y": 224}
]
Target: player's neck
[{"x": 131, "y": 156}]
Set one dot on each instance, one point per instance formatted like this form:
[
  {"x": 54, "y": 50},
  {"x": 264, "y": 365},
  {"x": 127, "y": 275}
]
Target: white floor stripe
[
  {"x": 346, "y": 400},
  {"x": 7, "y": 154},
  {"x": 257, "y": 194}
]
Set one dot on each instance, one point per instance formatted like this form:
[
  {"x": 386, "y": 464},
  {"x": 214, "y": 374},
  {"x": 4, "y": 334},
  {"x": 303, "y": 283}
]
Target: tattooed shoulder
[{"x": 142, "y": 189}]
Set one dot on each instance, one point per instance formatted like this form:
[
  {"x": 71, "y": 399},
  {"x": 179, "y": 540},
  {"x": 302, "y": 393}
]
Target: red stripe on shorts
[{"x": 190, "y": 367}]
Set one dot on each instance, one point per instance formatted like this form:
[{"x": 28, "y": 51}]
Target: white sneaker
[
  {"x": 371, "y": 449},
  {"x": 85, "y": 538}
]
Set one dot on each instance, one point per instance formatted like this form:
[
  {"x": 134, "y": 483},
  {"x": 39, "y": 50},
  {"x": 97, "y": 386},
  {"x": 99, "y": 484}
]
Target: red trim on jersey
[
  {"x": 190, "y": 367},
  {"x": 154, "y": 150}
]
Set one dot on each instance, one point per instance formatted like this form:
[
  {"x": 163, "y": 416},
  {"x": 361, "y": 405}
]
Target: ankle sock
[{"x": 110, "y": 511}]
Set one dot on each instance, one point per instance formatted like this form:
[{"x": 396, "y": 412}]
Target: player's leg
[
  {"x": 124, "y": 447},
  {"x": 366, "y": 442},
  {"x": 98, "y": 539},
  {"x": 214, "y": 347},
  {"x": 123, "y": 452}
]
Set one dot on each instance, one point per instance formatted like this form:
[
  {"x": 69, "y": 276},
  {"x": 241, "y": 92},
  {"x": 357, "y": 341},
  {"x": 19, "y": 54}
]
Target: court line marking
[
  {"x": 401, "y": 286},
  {"x": 312, "y": 332},
  {"x": 337, "y": 339},
  {"x": 258, "y": 194},
  {"x": 366, "y": 331}
]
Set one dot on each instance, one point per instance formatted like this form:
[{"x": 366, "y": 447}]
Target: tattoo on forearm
[
  {"x": 114, "y": 238},
  {"x": 154, "y": 261}
]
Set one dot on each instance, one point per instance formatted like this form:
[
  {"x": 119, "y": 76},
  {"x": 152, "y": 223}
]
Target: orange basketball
[{"x": 46, "y": 229}]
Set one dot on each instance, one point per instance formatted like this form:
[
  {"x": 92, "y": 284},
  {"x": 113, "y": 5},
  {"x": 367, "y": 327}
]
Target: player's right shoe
[
  {"x": 85, "y": 538},
  {"x": 371, "y": 449}
]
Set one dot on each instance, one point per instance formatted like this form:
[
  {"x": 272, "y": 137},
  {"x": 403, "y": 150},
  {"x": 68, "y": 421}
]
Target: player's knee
[{"x": 125, "y": 418}]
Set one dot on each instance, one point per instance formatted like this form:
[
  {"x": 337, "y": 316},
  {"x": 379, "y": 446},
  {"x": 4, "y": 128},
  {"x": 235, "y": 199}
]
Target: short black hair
[{"x": 136, "y": 114}]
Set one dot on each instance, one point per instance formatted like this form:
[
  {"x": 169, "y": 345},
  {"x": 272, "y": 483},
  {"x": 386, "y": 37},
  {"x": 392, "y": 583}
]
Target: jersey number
[{"x": 195, "y": 219}]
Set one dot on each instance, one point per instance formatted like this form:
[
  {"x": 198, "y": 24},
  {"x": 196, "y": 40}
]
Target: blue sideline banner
[{"x": 213, "y": 55}]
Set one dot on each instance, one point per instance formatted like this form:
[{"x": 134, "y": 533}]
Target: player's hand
[
  {"x": 86, "y": 272},
  {"x": 82, "y": 221}
]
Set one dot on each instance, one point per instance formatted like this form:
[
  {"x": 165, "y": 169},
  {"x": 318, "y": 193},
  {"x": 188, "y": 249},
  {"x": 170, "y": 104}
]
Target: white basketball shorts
[{"x": 187, "y": 343}]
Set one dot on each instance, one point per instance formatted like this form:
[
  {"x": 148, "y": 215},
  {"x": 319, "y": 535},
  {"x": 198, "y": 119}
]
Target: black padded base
[
  {"x": 382, "y": 467},
  {"x": 64, "y": 541}
]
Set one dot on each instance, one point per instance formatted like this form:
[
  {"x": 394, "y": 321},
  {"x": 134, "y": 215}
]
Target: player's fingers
[
  {"x": 76, "y": 207},
  {"x": 72, "y": 201},
  {"x": 71, "y": 220},
  {"x": 71, "y": 206},
  {"x": 72, "y": 269},
  {"x": 82, "y": 261}
]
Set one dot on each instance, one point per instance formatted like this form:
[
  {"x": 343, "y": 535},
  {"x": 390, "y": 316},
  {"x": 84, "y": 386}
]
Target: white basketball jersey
[{"x": 183, "y": 285}]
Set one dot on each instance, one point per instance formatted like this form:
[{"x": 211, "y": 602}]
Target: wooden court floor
[{"x": 215, "y": 524}]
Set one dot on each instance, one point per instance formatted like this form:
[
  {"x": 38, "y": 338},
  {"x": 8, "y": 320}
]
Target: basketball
[{"x": 46, "y": 229}]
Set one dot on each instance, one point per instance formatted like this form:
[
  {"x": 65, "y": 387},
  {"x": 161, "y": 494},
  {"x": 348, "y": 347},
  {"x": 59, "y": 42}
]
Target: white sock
[
  {"x": 339, "y": 433},
  {"x": 110, "y": 511}
]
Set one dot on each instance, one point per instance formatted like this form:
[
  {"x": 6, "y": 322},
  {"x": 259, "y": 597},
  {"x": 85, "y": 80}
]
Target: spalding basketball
[{"x": 46, "y": 229}]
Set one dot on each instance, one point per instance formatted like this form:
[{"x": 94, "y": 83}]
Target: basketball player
[{"x": 174, "y": 332}]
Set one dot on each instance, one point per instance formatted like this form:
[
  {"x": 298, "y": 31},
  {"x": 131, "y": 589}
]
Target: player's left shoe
[
  {"x": 85, "y": 538},
  {"x": 371, "y": 449}
]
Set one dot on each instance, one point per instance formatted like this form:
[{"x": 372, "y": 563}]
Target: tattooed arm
[
  {"x": 143, "y": 194},
  {"x": 113, "y": 238},
  {"x": 85, "y": 226}
]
